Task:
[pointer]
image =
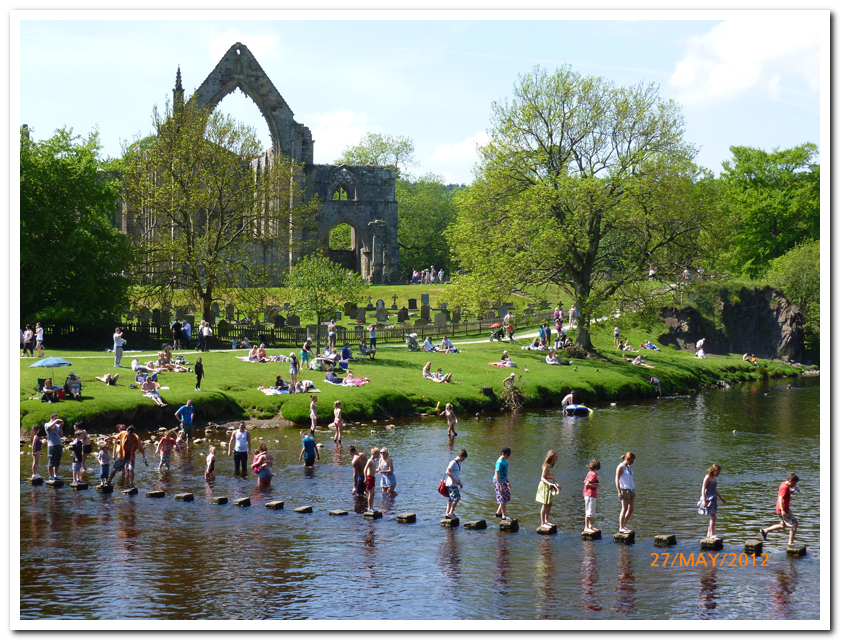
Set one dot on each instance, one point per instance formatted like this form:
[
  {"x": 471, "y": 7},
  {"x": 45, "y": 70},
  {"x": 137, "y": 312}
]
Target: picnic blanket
[
  {"x": 267, "y": 359},
  {"x": 504, "y": 364}
]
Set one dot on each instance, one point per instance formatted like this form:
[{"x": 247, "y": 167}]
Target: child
[
  {"x": 547, "y": 487},
  {"x": 76, "y": 449},
  {"x": 591, "y": 488},
  {"x": 313, "y": 414},
  {"x": 181, "y": 443},
  {"x": 626, "y": 489},
  {"x": 451, "y": 419},
  {"x": 453, "y": 482},
  {"x": 787, "y": 519},
  {"x": 209, "y": 474},
  {"x": 199, "y": 369},
  {"x": 370, "y": 476},
  {"x": 164, "y": 448},
  {"x": 104, "y": 458},
  {"x": 36, "y": 450},
  {"x": 338, "y": 422},
  {"x": 385, "y": 469},
  {"x": 502, "y": 487},
  {"x": 708, "y": 503}
]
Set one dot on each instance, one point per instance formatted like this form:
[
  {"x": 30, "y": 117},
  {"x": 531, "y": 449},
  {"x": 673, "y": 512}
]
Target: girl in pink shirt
[{"x": 591, "y": 487}]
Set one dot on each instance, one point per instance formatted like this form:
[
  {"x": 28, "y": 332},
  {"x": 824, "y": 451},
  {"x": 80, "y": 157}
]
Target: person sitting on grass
[
  {"x": 351, "y": 380},
  {"x": 244, "y": 344},
  {"x": 627, "y": 347},
  {"x": 649, "y": 345},
  {"x": 347, "y": 354},
  {"x": 150, "y": 389},
  {"x": 552, "y": 358},
  {"x": 427, "y": 373},
  {"x": 73, "y": 386},
  {"x": 365, "y": 351},
  {"x": 429, "y": 347},
  {"x": 447, "y": 346},
  {"x": 700, "y": 353},
  {"x": 280, "y": 383},
  {"x": 252, "y": 355}
]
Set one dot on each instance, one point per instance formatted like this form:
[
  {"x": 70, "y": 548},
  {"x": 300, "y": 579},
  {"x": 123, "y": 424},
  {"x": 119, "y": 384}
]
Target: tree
[
  {"x": 71, "y": 255},
  {"x": 798, "y": 275},
  {"x": 209, "y": 209},
  {"x": 576, "y": 188},
  {"x": 397, "y": 152},
  {"x": 775, "y": 204},
  {"x": 426, "y": 209},
  {"x": 318, "y": 286}
]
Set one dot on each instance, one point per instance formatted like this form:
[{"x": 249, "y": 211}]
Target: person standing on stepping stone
[
  {"x": 625, "y": 488},
  {"x": 591, "y": 491},
  {"x": 784, "y": 513},
  {"x": 358, "y": 466},
  {"x": 370, "y": 476},
  {"x": 185, "y": 415},
  {"x": 547, "y": 487},
  {"x": 708, "y": 503},
  {"x": 241, "y": 444},
  {"x": 453, "y": 482},
  {"x": 501, "y": 485},
  {"x": 54, "y": 428},
  {"x": 35, "y": 439}
]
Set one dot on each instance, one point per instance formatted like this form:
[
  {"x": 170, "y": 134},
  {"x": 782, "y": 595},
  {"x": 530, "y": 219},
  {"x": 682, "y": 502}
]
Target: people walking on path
[
  {"x": 39, "y": 339},
  {"x": 54, "y": 429},
  {"x": 502, "y": 487},
  {"x": 199, "y": 370},
  {"x": 547, "y": 487},
  {"x": 784, "y": 513},
  {"x": 241, "y": 444},
  {"x": 591, "y": 492},
  {"x": 28, "y": 341},
  {"x": 453, "y": 482},
  {"x": 452, "y": 419},
  {"x": 708, "y": 503},
  {"x": 625, "y": 488}
]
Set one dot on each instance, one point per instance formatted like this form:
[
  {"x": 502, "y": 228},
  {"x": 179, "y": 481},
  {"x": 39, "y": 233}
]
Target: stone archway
[{"x": 239, "y": 69}]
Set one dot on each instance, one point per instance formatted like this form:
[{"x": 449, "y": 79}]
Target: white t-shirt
[
  {"x": 39, "y": 335},
  {"x": 331, "y": 327},
  {"x": 118, "y": 340},
  {"x": 453, "y": 468},
  {"x": 626, "y": 479}
]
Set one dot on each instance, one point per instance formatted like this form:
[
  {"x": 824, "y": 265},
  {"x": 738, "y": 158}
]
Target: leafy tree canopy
[
  {"x": 797, "y": 274},
  {"x": 397, "y": 152},
  {"x": 72, "y": 257}
]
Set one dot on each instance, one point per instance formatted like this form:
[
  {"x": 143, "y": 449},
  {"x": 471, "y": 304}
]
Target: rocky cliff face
[{"x": 756, "y": 321}]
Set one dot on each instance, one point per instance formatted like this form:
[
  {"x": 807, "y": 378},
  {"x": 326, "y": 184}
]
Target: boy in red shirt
[{"x": 787, "y": 519}]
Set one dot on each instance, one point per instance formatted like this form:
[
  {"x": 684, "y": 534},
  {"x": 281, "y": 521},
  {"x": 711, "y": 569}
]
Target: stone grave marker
[
  {"x": 358, "y": 331},
  {"x": 346, "y": 308},
  {"x": 130, "y": 315},
  {"x": 351, "y": 310},
  {"x": 440, "y": 318},
  {"x": 490, "y": 316},
  {"x": 144, "y": 314},
  {"x": 293, "y": 320},
  {"x": 403, "y": 315},
  {"x": 425, "y": 311},
  {"x": 421, "y": 322},
  {"x": 180, "y": 312},
  {"x": 424, "y": 299},
  {"x": 229, "y": 310},
  {"x": 286, "y": 307},
  {"x": 382, "y": 315},
  {"x": 338, "y": 316},
  {"x": 360, "y": 315},
  {"x": 156, "y": 316},
  {"x": 380, "y": 304},
  {"x": 456, "y": 315},
  {"x": 190, "y": 318},
  {"x": 165, "y": 318},
  {"x": 413, "y": 304},
  {"x": 394, "y": 302},
  {"x": 369, "y": 307},
  {"x": 279, "y": 321}
]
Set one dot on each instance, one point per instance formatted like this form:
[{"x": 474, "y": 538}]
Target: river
[{"x": 85, "y": 555}]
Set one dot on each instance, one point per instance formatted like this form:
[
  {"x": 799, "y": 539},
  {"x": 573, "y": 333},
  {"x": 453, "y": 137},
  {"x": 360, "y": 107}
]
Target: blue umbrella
[{"x": 51, "y": 361}]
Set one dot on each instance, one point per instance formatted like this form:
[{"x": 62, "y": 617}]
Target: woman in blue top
[{"x": 501, "y": 484}]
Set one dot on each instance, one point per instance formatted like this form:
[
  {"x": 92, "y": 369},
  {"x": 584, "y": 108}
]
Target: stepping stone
[
  {"x": 274, "y": 505},
  {"x": 218, "y": 500},
  {"x": 406, "y": 517},
  {"x": 547, "y": 529},
  {"x": 713, "y": 543},
  {"x": 79, "y": 486},
  {"x": 595, "y": 535},
  {"x": 481, "y": 524},
  {"x": 56, "y": 483},
  {"x": 509, "y": 526},
  {"x": 105, "y": 489},
  {"x": 450, "y": 522},
  {"x": 753, "y": 546},
  {"x": 665, "y": 540},
  {"x": 243, "y": 502},
  {"x": 337, "y": 513},
  {"x": 155, "y": 494},
  {"x": 186, "y": 496},
  {"x": 35, "y": 481},
  {"x": 625, "y": 537},
  {"x": 130, "y": 492},
  {"x": 304, "y": 509},
  {"x": 795, "y": 550},
  {"x": 373, "y": 515}
]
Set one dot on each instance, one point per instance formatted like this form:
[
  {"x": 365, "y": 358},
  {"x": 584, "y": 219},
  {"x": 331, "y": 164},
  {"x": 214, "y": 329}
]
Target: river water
[{"x": 89, "y": 556}]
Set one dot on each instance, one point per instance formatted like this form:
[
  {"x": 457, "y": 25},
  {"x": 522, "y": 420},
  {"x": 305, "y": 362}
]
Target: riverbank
[{"x": 397, "y": 389}]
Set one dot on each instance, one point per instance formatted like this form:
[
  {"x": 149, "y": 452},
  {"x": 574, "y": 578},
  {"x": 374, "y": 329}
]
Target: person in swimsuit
[
  {"x": 263, "y": 466},
  {"x": 338, "y": 421},
  {"x": 358, "y": 465},
  {"x": 209, "y": 472},
  {"x": 626, "y": 489},
  {"x": 547, "y": 487},
  {"x": 35, "y": 439},
  {"x": 708, "y": 503},
  {"x": 370, "y": 476},
  {"x": 313, "y": 414},
  {"x": 452, "y": 419},
  {"x": 385, "y": 468}
]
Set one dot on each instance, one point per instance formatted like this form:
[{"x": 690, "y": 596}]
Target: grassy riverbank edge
[{"x": 397, "y": 390}]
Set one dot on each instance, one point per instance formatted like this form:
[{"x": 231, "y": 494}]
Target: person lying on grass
[{"x": 638, "y": 361}]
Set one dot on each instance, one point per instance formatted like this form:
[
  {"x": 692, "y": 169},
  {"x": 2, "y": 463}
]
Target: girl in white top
[{"x": 625, "y": 488}]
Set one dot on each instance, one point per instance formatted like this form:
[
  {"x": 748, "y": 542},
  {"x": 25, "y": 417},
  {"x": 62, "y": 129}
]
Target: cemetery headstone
[
  {"x": 425, "y": 312},
  {"x": 293, "y": 320},
  {"x": 456, "y": 315},
  {"x": 424, "y": 299},
  {"x": 360, "y": 315},
  {"x": 490, "y": 316},
  {"x": 382, "y": 315},
  {"x": 352, "y": 310},
  {"x": 229, "y": 310},
  {"x": 346, "y": 309},
  {"x": 165, "y": 318},
  {"x": 413, "y": 304},
  {"x": 421, "y": 322},
  {"x": 144, "y": 314},
  {"x": 380, "y": 304},
  {"x": 130, "y": 315},
  {"x": 156, "y": 316},
  {"x": 394, "y": 302},
  {"x": 403, "y": 315},
  {"x": 358, "y": 330},
  {"x": 279, "y": 321},
  {"x": 338, "y": 316},
  {"x": 440, "y": 318},
  {"x": 180, "y": 313}
]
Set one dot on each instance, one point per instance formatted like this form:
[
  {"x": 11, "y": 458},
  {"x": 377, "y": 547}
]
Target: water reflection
[
  {"x": 626, "y": 591},
  {"x": 449, "y": 560},
  {"x": 708, "y": 595},
  {"x": 502, "y": 572},
  {"x": 545, "y": 579},
  {"x": 783, "y": 590},
  {"x": 589, "y": 578}
]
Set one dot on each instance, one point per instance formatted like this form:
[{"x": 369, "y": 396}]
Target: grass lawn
[{"x": 229, "y": 389}]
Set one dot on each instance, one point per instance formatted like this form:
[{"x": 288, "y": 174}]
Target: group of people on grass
[{"x": 428, "y": 276}]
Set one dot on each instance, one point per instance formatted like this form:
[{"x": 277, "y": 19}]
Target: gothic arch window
[
  {"x": 340, "y": 193},
  {"x": 343, "y": 184}
]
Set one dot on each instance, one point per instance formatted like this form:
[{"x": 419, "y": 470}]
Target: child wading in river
[
  {"x": 547, "y": 487},
  {"x": 209, "y": 472},
  {"x": 338, "y": 422},
  {"x": 164, "y": 448},
  {"x": 313, "y": 414},
  {"x": 104, "y": 459},
  {"x": 452, "y": 419},
  {"x": 591, "y": 488}
]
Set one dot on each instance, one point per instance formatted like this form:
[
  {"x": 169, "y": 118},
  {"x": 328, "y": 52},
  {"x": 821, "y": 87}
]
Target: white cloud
[
  {"x": 334, "y": 131},
  {"x": 769, "y": 53},
  {"x": 260, "y": 46},
  {"x": 460, "y": 151}
]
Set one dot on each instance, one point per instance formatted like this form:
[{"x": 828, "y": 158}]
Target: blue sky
[{"x": 742, "y": 78}]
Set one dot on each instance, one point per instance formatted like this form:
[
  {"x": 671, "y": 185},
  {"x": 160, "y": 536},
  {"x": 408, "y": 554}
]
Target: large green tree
[
  {"x": 397, "y": 152},
  {"x": 71, "y": 255},
  {"x": 318, "y": 286},
  {"x": 210, "y": 209},
  {"x": 797, "y": 274},
  {"x": 774, "y": 200},
  {"x": 582, "y": 185}
]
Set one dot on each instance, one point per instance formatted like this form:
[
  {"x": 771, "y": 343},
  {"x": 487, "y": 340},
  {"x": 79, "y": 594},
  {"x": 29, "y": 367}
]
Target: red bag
[{"x": 442, "y": 489}]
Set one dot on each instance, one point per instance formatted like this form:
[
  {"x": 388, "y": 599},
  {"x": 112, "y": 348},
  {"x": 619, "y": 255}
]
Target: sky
[{"x": 748, "y": 78}]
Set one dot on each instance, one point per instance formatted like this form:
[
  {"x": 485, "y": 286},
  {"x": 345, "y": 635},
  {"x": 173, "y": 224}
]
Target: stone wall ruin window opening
[
  {"x": 342, "y": 237},
  {"x": 340, "y": 193}
]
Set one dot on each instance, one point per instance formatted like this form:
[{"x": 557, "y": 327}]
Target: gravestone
[
  {"x": 382, "y": 315},
  {"x": 403, "y": 315},
  {"x": 229, "y": 310},
  {"x": 223, "y": 327},
  {"x": 268, "y": 314},
  {"x": 424, "y": 299},
  {"x": 369, "y": 307},
  {"x": 293, "y": 320},
  {"x": 380, "y": 304},
  {"x": 360, "y": 315},
  {"x": 144, "y": 314},
  {"x": 180, "y": 312},
  {"x": 358, "y": 331},
  {"x": 130, "y": 315},
  {"x": 421, "y": 322},
  {"x": 490, "y": 316},
  {"x": 286, "y": 307},
  {"x": 394, "y": 302},
  {"x": 189, "y": 318},
  {"x": 156, "y": 316},
  {"x": 456, "y": 315},
  {"x": 165, "y": 318},
  {"x": 413, "y": 304},
  {"x": 279, "y": 321},
  {"x": 338, "y": 316},
  {"x": 425, "y": 311},
  {"x": 312, "y": 331},
  {"x": 347, "y": 307},
  {"x": 440, "y": 319}
]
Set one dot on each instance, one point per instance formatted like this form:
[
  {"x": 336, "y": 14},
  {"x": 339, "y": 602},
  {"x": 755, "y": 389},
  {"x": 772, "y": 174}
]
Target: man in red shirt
[{"x": 787, "y": 519}]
